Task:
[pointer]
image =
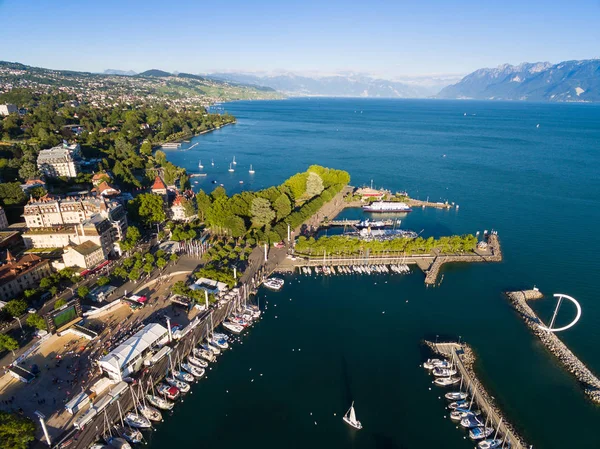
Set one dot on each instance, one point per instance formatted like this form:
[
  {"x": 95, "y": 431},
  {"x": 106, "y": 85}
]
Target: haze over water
[{"x": 538, "y": 187}]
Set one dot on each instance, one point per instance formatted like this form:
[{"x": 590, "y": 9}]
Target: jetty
[
  {"x": 464, "y": 358},
  {"x": 588, "y": 380}
]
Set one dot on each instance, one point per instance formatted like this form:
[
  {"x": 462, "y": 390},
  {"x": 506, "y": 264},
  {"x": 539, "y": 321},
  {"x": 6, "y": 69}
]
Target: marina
[{"x": 491, "y": 419}]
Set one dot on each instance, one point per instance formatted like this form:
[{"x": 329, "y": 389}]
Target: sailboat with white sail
[
  {"x": 251, "y": 171},
  {"x": 200, "y": 166},
  {"x": 231, "y": 170},
  {"x": 234, "y": 162},
  {"x": 350, "y": 418}
]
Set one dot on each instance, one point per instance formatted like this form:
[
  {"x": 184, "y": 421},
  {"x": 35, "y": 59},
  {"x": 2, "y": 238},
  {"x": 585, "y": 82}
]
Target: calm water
[{"x": 325, "y": 342}]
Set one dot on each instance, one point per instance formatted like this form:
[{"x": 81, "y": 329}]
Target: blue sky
[{"x": 386, "y": 38}]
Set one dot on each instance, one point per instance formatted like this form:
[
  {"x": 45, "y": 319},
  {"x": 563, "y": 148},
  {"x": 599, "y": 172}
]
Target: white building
[
  {"x": 87, "y": 255},
  {"x": 128, "y": 357},
  {"x": 60, "y": 161},
  {"x": 6, "y": 109},
  {"x": 210, "y": 285},
  {"x": 96, "y": 229},
  {"x": 50, "y": 211}
]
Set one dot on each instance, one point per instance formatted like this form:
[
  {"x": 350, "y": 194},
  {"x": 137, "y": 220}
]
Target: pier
[
  {"x": 93, "y": 431},
  {"x": 463, "y": 357},
  {"x": 587, "y": 379}
]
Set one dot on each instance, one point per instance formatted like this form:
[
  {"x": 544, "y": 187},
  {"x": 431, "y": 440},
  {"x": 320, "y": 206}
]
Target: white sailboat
[
  {"x": 200, "y": 166},
  {"x": 234, "y": 162},
  {"x": 231, "y": 168},
  {"x": 350, "y": 418},
  {"x": 212, "y": 162},
  {"x": 251, "y": 171}
]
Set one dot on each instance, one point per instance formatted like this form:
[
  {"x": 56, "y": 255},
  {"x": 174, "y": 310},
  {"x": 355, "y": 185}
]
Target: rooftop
[
  {"x": 159, "y": 184},
  {"x": 14, "y": 268},
  {"x": 86, "y": 248}
]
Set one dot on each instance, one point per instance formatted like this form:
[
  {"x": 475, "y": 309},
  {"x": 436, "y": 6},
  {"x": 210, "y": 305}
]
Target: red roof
[{"x": 159, "y": 184}]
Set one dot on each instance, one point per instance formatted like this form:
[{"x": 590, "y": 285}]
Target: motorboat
[
  {"x": 150, "y": 413},
  {"x": 458, "y": 404},
  {"x": 274, "y": 283},
  {"x": 183, "y": 376},
  {"x": 444, "y": 372},
  {"x": 205, "y": 354},
  {"x": 168, "y": 391},
  {"x": 137, "y": 421},
  {"x": 131, "y": 435},
  {"x": 184, "y": 387},
  {"x": 489, "y": 444},
  {"x": 159, "y": 402},
  {"x": 197, "y": 362},
  {"x": 470, "y": 421},
  {"x": 436, "y": 363},
  {"x": 220, "y": 343},
  {"x": 234, "y": 328},
  {"x": 446, "y": 381},
  {"x": 220, "y": 336},
  {"x": 456, "y": 396},
  {"x": 479, "y": 433},
  {"x": 350, "y": 418},
  {"x": 460, "y": 413},
  {"x": 194, "y": 370}
]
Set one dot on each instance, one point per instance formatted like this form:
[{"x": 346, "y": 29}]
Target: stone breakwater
[
  {"x": 587, "y": 379},
  {"x": 464, "y": 359}
]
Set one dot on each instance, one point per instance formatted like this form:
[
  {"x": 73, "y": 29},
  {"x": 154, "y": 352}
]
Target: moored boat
[
  {"x": 131, "y": 435},
  {"x": 446, "y": 381},
  {"x": 159, "y": 402},
  {"x": 137, "y": 421},
  {"x": 197, "y": 362},
  {"x": 184, "y": 387},
  {"x": 489, "y": 444},
  {"x": 150, "y": 413},
  {"x": 234, "y": 328},
  {"x": 168, "y": 391},
  {"x": 456, "y": 396},
  {"x": 183, "y": 376},
  {"x": 387, "y": 206},
  {"x": 444, "y": 372},
  {"x": 194, "y": 370},
  {"x": 479, "y": 433},
  {"x": 274, "y": 283},
  {"x": 118, "y": 443}
]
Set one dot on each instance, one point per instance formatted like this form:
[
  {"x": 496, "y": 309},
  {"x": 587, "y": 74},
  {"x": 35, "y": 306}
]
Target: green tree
[
  {"x": 148, "y": 267},
  {"x": 120, "y": 272},
  {"x": 161, "y": 263},
  {"x": 59, "y": 303},
  {"x": 11, "y": 193},
  {"x": 236, "y": 225},
  {"x": 16, "y": 432},
  {"x": 150, "y": 208},
  {"x": 314, "y": 185},
  {"x": 146, "y": 148},
  {"x": 8, "y": 343},
  {"x": 102, "y": 280},
  {"x": 134, "y": 274},
  {"x": 262, "y": 214},
  {"x": 38, "y": 192},
  {"x": 34, "y": 320},
  {"x": 160, "y": 157},
  {"x": 46, "y": 283},
  {"x": 149, "y": 258},
  {"x": 173, "y": 257},
  {"x": 218, "y": 193},
  {"x": 83, "y": 291},
  {"x": 282, "y": 206},
  {"x": 15, "y": 307},
  {"x": 28, "y": 170},
  {"x": 203, "y": 202}
]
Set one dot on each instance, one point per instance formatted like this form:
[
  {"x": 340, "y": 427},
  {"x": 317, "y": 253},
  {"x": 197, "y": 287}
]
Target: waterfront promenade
[
  {"x": 588, "y": 380},
  {"x": 464, "y": 358}
]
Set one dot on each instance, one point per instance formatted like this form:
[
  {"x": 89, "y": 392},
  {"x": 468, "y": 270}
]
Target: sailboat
[
  {"x": 200, "y": 166},
  {"x": 130, "y": 434},
  {"x": 212, "y": 162},
  {"x": 146, "y": 410},
  {"x": 234, "y": 162},
  {"x": 231, "y": 168},
  {"x": 350, "y": 418},
  {"x": 251, "y": 171},
  {"x": 116, "y": 442}
]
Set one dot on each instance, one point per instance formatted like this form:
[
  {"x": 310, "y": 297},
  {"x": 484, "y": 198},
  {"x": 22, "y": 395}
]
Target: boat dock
[
  {"x": 355, "y": 223},
  {"x": 588, "y": 380},
  {"x": 92, "y": 432},
  {"x": 464, "y": 358},
  {"x": 418, "y": 203}
]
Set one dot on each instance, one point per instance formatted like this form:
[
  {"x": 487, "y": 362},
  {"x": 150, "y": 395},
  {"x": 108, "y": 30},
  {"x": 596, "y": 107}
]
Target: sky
[{"x": 389, "y": 39}]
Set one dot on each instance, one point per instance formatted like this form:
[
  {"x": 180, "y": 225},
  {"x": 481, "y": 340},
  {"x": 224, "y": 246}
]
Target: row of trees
[
  {"x": 268, "y": 212},
  {"x": 133, "y": 267},
  {"x": 352, "y": 246}
]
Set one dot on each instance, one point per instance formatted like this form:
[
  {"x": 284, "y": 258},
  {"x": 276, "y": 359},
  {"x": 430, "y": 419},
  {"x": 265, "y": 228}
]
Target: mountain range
[
  {"x": 339, "y": 85},
  {"x": 569, "y": 81}
]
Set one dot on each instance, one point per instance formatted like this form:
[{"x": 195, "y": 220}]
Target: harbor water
[{"x": 326, "y": 341}]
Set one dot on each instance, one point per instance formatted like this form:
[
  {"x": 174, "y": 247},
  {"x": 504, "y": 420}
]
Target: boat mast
[
  {"x": 121, "y": 414},
  {"x": 498, "y": 428},
  {"x": 555, "y": 312}
]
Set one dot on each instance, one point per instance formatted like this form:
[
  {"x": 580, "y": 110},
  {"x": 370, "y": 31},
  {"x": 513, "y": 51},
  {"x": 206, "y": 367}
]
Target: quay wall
[
  {"x": 587, "y": 379},
  {"x": 93, "y": 431},
  {"x": 464, "y": 358}
]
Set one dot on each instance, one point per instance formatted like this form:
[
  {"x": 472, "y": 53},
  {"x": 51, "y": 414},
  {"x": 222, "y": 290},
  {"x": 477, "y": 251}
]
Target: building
[
  {"x": 211, "y": 286},
  {"x": 16, "y": 276},
  {"x": 178, "y": 209},
  {"x": 3, "y": 220},
  {"x": 61, "y": 160},
  {"x": 128, "y": 357},
  {"x": 366, "y": 192},
  {"x": 100, "y": 177},
  {"x": 6, "y": 109},
  {"x": 160, "y": 188},
  {"x": 96, "y": 229},
  {"x": 106, "y": 190},
  {"x": 52, "y": 211},
  {"x": 87, "y": 255},
  {"x": 32, "y": 183}
]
